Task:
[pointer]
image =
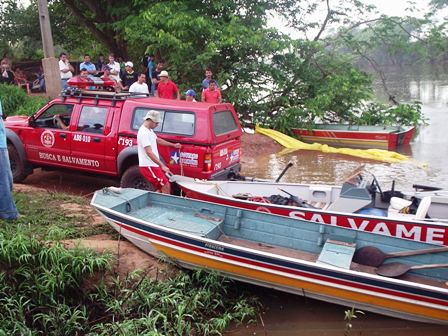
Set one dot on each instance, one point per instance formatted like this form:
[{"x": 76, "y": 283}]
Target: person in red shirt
[
  {"x": 166, "y": 87},
  {"x": 212, "y": 94}
]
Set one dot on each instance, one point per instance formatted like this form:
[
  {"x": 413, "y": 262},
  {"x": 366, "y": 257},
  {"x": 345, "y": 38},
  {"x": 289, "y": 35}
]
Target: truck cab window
[
  {"x": 51, "y": 116},
  {"x": 92, "y": 119}
]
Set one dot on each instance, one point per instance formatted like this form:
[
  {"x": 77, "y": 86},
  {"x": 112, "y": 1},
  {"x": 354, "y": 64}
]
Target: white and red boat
[
  {"x": 383, "y": 137},
  {"x": 358, "y": 204}
]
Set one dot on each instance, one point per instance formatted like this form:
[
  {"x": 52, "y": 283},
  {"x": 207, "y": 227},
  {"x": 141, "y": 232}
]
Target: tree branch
[
  {"x": 324, "y": 25},
  {"x": 106, "y": 36}
]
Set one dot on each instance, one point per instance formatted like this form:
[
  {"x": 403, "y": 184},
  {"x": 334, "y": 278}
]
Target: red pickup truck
[{"x": 100, "y": 137}]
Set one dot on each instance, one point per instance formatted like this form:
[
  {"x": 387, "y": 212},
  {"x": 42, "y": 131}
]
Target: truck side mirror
[{"x": 31, "y": 121}]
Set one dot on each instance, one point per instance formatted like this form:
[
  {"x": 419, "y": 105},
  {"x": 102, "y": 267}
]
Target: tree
[
  {"x": 19, "y": 29},
  {"x": 268, "y": 75}
]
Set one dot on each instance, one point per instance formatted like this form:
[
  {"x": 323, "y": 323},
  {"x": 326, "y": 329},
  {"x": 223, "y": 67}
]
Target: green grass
[
  {"x": 50, "y": 216},
  {"x": 46, "y": 289}
]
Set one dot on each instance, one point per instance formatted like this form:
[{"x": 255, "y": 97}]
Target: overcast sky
[{"x": 396, "y": 7}]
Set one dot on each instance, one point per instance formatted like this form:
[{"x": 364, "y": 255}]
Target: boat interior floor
[{"x": 312, "y": 257}]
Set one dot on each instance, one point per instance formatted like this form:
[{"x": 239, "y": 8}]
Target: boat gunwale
[
  {"x": 394, "y": 132},
  {"x": 438, "y": 224}
]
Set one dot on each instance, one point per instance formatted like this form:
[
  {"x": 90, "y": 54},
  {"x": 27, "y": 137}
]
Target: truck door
[
  {"x": 49, "y": 141},
  {"x": 89, "y": 139}
]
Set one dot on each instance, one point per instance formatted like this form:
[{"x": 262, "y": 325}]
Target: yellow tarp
[{"x": 293, "y": 144}]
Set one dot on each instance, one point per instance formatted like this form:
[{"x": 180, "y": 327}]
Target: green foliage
[
  {"x": 198, "y": 303},
  {"x": 350, "y": 315},
  {"x": 41, "y": 284},
  {"x": 19, "y": 30},
  {"x": 381, "y": 114},
  {"x": 15, "y": 101}
]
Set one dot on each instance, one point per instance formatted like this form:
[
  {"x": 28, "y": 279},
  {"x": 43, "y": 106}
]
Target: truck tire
[
  {"x": 19, "y": 173},
  {"x": 133, "y": 179}
]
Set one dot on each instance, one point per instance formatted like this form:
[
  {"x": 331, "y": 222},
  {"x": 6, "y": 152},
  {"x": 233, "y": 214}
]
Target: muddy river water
[{"x": 292, "y": 315}]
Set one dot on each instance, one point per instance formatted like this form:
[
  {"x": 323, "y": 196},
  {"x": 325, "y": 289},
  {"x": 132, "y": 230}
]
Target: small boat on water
[
  {"x": 358, "y": 204},
  {"x": 296, "y": 256},
  {"x": 382, "y": 137}
]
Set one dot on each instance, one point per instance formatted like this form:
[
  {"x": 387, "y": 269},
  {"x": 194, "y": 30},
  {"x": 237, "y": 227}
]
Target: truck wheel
[
  {"x": 17, "y": 165},
  {"x": 133, "y": 179}
]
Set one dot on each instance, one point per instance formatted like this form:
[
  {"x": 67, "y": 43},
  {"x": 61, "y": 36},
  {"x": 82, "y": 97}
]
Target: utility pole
[{"x": 49, "y": 63}]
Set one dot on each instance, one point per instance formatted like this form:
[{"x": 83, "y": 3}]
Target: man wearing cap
[
  {"x": 140, "y": 85},
  {"x": 129, "y": 76},
  {"x": 189, "y": 95},
  {"x": 150, "y": 165},
  {"x": 166, "y": 88}
]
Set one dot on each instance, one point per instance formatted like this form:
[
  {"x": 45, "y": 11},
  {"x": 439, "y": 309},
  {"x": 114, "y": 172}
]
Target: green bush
[
  {"x": 382, "y": 114},
  {"x": 15, "y": 101}
]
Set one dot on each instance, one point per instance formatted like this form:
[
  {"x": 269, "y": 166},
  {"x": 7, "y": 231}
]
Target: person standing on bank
[
  {"x": 166, "y": 88},
  {"x": 151, "y": 167},
  {"x": 140, "y": 85},
  {"x": 8, "y": 208},
  {"x": 66, "y": 69},
  {"x": 212, "y": 94}
]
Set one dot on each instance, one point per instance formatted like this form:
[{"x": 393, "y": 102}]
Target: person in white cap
[
  {"x": 166, "y": 88},
  {"x": 129, "y": 76},
  {"x": 151, "y": 167}
]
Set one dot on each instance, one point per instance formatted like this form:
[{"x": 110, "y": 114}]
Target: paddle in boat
[
  {"x": 292, "y": 255},
  {"x": 358, "y": 204},
  {"x": 340, "y": 135}
]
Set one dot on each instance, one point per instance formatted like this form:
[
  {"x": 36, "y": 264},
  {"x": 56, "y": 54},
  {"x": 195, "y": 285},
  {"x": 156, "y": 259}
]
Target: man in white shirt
[
  {"x": 66, "y": 69},
  {"x": 140, "y": 85},
  {"x": 114, "y": 70},
  {"x": 149, "y": 162}
]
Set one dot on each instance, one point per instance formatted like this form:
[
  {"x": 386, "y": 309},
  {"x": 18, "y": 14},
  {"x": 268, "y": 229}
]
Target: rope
[{"x": 181, "y": 165}]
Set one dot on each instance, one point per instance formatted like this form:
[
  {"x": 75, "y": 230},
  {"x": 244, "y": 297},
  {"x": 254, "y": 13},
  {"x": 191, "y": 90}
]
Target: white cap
[
  {"x": 153, "y": 115},
  {"x": 129, "y": 64},
  {"x": 163, "y": 73}
]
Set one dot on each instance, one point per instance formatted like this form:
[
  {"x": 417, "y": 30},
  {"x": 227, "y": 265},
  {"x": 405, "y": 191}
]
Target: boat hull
[
  {"x": 416, "y": 230},
  {"x": 382, "y": 139},
  {"x": 367, "y": 292}
]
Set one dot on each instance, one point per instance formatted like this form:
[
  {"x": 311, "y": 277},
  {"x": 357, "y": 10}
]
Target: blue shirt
[
  {"x": 88, "y": 66},
  {"x": 205, "y": 84},
  {"x": 2, "y": 130}
]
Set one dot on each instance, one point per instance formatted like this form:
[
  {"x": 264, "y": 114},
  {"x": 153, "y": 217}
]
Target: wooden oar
[
  {"x": 373, "y": 256},
  {"x": 289, "y": 165},
  {"x": 394, "y": 270}
]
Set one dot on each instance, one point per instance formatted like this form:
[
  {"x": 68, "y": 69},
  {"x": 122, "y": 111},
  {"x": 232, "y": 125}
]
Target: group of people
[
  {"x": 18, "y": 77},
  {"x": 153, "y": 80}
]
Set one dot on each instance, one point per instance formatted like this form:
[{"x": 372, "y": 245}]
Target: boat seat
[
  {"x": 337, "y": 252},
  {"x": 319, "y": 194},
  {"x": 319, "y": 205},
  {"x": 397, "y": 204}
]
